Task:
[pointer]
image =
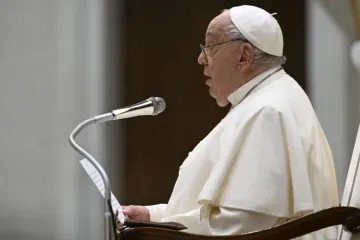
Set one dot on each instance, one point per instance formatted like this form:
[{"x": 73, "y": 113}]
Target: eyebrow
[{"x": 209, "y": 36}]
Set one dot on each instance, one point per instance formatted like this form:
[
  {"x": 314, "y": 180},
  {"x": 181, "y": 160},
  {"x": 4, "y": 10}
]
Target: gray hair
[{"x": 260, "y": 57}]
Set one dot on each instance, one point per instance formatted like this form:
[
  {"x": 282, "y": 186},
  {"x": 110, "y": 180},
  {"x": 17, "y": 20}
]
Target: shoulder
[
  {"x": 259, "y": 108},
  {"x": 255, "y": 118},
  {"x": 282, "y": 98},
  {"x": 270, "y": 115}
]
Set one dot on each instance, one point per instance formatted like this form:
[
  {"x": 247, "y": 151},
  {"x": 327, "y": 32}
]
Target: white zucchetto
[{"x": 259, "y": 27}]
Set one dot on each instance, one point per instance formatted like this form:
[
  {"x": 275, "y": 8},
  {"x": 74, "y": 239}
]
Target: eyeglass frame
[{"x": 202, "y": 47}]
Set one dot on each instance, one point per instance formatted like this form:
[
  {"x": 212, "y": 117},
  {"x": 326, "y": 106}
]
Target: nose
[{"x": 202, "y": 58}]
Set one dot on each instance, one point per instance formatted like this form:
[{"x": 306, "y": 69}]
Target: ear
[{"x": 246, "y": 57}]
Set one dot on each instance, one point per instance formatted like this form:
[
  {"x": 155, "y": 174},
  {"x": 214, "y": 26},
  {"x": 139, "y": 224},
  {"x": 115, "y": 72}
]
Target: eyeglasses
[{"x": 202, "y": 47}]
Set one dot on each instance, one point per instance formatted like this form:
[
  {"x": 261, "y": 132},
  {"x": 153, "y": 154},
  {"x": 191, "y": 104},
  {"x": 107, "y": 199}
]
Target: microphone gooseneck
[{"x": 151, "y": 106}]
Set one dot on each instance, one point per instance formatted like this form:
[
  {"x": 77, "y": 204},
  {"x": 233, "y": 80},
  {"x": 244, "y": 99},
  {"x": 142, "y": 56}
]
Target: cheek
[
  {"x": 221, "y": 72},
  {"x": 222, "y": 65},
  {"x": 221, "y": 78}
]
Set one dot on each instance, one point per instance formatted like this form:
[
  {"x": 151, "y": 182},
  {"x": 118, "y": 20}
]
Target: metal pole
[{"x": 107, "y": 214}]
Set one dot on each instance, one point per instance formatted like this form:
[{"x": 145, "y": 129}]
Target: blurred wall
[
  {"x": 53, "y": 76},
  {"x": 333, "y": 84}
]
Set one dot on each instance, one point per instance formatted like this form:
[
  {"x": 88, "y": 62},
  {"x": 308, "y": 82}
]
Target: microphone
[{"x": 151, "y": 106}]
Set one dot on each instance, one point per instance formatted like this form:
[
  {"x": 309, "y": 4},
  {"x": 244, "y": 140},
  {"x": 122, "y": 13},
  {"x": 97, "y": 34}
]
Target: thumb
[{"x": 129, "y": 210}]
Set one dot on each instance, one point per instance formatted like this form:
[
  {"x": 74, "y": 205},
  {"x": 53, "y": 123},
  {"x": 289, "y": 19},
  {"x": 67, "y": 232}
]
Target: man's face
[{"x": 220, "y": 62}]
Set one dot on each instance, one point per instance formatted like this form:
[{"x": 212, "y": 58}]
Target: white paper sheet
[{"x": 96, "y": 178}]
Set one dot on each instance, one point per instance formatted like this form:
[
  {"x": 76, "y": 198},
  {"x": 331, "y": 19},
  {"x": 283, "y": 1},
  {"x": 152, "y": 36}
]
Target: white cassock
[{"x": 266, "y": 162}]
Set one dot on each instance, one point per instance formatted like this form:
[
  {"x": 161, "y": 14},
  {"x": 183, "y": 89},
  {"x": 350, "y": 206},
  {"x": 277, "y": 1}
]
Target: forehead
[{"x": 217, "y": 26}]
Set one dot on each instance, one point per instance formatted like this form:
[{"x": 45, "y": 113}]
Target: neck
[
  {"x": 250, "y": 75},
  {"x": 256, "y": 71}
]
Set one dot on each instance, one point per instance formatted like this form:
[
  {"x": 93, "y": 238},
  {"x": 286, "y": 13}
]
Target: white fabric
[
  {"x": 207, "y": 220},
  {"x": 268, "y": 156},
  {"x": 236, "y": 97},
  {"x": 259, "y": 27},
  {"x": 156, "y": 212},
  {"x": 220, "y": 221}
]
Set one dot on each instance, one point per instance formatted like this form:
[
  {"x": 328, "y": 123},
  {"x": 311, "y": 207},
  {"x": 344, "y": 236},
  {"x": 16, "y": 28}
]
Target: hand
[{"x": 137, "y": 212}]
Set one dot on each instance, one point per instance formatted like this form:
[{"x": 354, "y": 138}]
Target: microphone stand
[{"x": 107, "y": 197}]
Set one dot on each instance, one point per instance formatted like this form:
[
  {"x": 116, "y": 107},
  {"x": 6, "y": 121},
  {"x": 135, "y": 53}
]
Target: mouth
[
  {"x": 208, "y": 83},
  {"x": 208, "y": 79}
]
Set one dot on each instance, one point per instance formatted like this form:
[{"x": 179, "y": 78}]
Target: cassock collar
[{"x": 239, "y": 94}]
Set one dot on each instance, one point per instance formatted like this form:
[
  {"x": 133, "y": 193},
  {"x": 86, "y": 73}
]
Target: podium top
[{"x": 349, "y": 217}]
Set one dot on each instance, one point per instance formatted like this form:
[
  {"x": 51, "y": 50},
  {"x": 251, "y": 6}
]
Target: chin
[{"x": 222, "y": 103}]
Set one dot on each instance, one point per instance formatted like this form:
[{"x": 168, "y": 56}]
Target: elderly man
[{"x": 268, "y": 160}]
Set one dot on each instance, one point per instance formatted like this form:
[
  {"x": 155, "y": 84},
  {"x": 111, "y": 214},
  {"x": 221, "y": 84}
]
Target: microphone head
[{"x": 159, "y": 104}]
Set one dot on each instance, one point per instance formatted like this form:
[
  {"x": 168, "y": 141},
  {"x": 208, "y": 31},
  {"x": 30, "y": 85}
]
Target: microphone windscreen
[{"x": 159, "y": 105}]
